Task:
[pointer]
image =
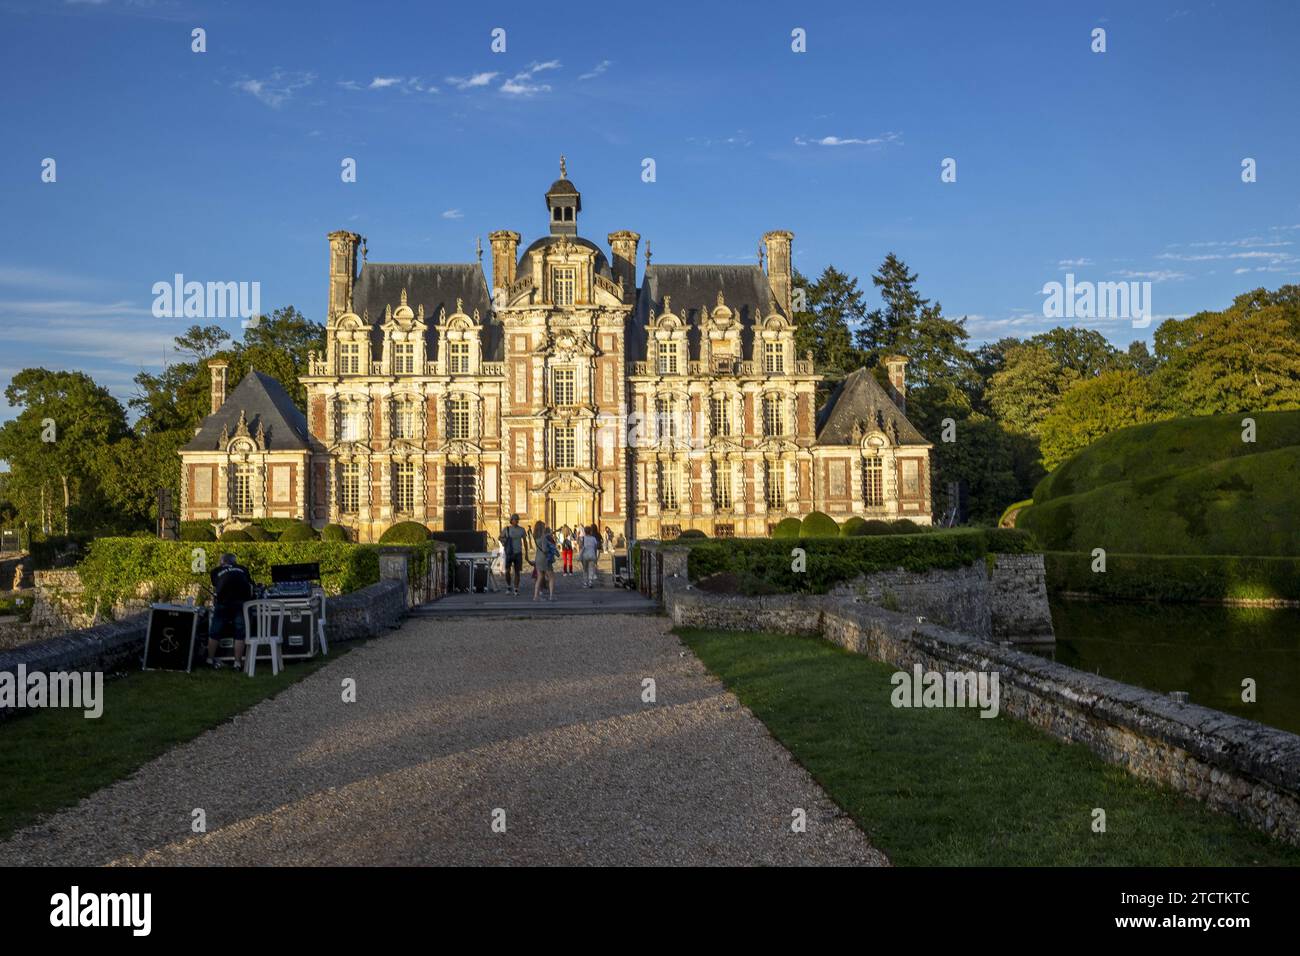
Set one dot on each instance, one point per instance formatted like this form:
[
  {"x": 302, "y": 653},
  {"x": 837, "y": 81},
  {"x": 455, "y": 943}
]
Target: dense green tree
[
  {"x": 834, "y": 306},
  {"x": 1093, "y": 408},
  {"x": 1028, "y": 387},
  {"x": 1083, "y": 351}
]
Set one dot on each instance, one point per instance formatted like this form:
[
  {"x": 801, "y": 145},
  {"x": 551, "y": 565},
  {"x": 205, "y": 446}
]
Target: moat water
[{"x": 1206, "y": 651}]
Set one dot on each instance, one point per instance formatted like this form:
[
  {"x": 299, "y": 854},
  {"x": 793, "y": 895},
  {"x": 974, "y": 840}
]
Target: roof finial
[
  {"x": 647, "y": 253},
  {"x": 563, "y": 171},
  {"x": 478, "y": 245},
  {"x": 363, "y": 250},
  {"x": 760, "y": 255}
]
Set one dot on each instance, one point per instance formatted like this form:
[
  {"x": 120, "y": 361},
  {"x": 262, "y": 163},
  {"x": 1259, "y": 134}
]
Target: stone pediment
[
  {"x": 348, "y": 449},
  {"x": 725, "y": 445},
  {"x": 461, "y": 450},
  {"x": 567, "y": 481}
]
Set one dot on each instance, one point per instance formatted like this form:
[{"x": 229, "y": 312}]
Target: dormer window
[
  {"x": 564, "y": 283},
  {"x": 404, "y": 358},
  {"x": 774, "y": 358},
  {"x": 458, "y": 358},
  {"x": 667, "y": 358},
  {"x": 350, "y": 358}
]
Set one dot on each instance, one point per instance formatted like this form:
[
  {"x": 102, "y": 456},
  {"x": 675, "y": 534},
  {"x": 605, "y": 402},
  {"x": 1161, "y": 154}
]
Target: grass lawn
[
  {"x": 945, "y": 787},
  {"x": 53, "y": 758}
]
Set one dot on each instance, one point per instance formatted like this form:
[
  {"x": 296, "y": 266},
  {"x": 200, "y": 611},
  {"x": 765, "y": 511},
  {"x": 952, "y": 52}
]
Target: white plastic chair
[{"x": 269, "y": 632}]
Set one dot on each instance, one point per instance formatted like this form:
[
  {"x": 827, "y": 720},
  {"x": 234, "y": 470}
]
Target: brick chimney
[
  {"x": 218, "y": 369},
  {"x": 779, "y": 275},
  {"x": 505, "y": 255},
  {"x": 623, "y": 245},
  {"x": 343, "y": 270},
  {"x": 897, "y": 368}
]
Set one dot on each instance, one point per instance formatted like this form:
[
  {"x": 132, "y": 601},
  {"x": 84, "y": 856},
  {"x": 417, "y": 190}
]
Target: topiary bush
[
  {"x": 788, "y": 528},
  {"x": 818, "y": 525},
  {"x": 405, "y": 532},
  {"x": 235, "y": 534},
  {"x": 692, "y": 533},
  {"x": 905, "y": 526},
  {"x": 875, "y": 526},
  {"x": 849, "y": 528},
  {"x": 334, "y": 532},
  {"x": 299, "y": 531},
  {"x": 258, "y": 533},
  {"x": 196, "y": 531}
]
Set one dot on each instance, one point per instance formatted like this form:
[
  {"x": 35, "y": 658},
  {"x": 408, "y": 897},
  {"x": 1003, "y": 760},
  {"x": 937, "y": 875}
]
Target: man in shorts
[
  {"x": 514, "y": 542},
  {"x": 232, "y": 587}
]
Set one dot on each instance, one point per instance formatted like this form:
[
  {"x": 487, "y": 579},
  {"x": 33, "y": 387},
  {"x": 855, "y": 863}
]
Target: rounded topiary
[
  {"x": 818, "y": 525},
  {"x": 235, "y": 534},
  {"x": 788, "y": 528},
  {"x": 850, "y": 527},
  {"x": 298, "y": 532},
  {"x": 405, "y": 532},
  {"x": 334, "y": 532},
  {"x": 905, "y": 526},
  {"x": 256, "y": 532},
  {"x": 874, "y": 526},
  {"x": 197, "y": 534},
  {"x": 692, "y": 533}
]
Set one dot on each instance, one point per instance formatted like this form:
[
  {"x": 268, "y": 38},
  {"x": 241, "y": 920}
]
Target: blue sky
[{"x": 225, "y": 165}]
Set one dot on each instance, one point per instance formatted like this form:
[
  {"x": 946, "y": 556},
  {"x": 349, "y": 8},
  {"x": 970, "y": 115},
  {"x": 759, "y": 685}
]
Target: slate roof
[
  {"x": 264, "y": 402},
  {"x": 602, "y": 264},
  {"x": 694, "y": 290},
  {"x": 436, "y": 286},
  {"x": 860, "y": 398}
]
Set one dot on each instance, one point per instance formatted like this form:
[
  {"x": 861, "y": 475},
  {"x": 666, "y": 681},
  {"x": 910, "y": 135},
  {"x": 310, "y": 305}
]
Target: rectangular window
[
  {"x": 774, "y": 475},
  {"x": 666, "y": 418},
  {"x": 722, "y": 484},
  {"x": 721, "y": 408},
  {"x": 404, "y": 358},
  {"x": 353, "y": 423},
  {"x": 458, "y": 418},
  {"x": 564, "y": 282},
  {"x": 774, "y": 358},
  {"x": 839, "y": 478},
  {"x": 566, "y": 446},
  {"x": 773, "y": 417},
  {"x": 350, "y": 358},
  {"x": 349, "y": 487},
  {"x": 564, "y": 386},
  {"x": 458, "y": 358},
  {"x": 405, "y": 420},
  {"x": 668, "y": 358},
  {"x": 668, "y": 485},
  {"x": 404, "y": 487},
  {"x": 243, "y": 503},
  {"x": 911, "y": 478},
  {"x": 874, "y": 483},
  {"x": 202, "y": 485}
]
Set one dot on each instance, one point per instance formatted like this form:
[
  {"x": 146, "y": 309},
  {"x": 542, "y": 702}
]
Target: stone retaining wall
[
  {"x": 1234, "y": 765},
  {"x": 119, "y": 645}
]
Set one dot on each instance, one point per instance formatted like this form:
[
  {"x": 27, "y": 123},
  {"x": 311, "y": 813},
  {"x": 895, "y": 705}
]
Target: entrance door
[{"x": 568, "y": 512}]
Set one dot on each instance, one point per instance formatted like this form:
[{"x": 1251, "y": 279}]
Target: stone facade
[{"x": 574, "y": 393}]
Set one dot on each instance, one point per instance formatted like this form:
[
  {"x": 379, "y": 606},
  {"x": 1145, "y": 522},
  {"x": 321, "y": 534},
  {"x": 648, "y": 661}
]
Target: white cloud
[
  {"x": 1158, "y": 275},
  {"x": 596, "y": 70},
  {"x": 521, "y": 84},
  {"x": 1074, "y": 263},
  {"x": 471, "y": 82},
  {"x": 278, "y": 88},
  {"x": 453, "y": 214},
  {"x": 383, "y": 82},
  {"x": 850, "y": 140}
]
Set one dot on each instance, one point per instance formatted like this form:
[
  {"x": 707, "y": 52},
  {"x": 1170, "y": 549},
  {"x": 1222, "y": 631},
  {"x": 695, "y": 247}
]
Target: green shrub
[
  {"x": 875, "y": 526},
  {"x": 405, "y": 532},
  {"x": 235, "y": 534},
  {"x": 818, "y": 525},
  {"x": 258, "y": 533},
  {"x": 202, "y": 532},
  {"x": 334, "y": 532},
  {"x": 904, "y": 526},
  {"x": 298, "y": 531},
  {"x": 1011, "y": 510},
  {"x": 787, "y": 528},
  {"x": 276, "y": 526},
  {"x": 831, "y": 561},
  {"x": 850, "y": 527},
  {"x": 1180, "y": 577},
  {"x": 692, "y": 533}
]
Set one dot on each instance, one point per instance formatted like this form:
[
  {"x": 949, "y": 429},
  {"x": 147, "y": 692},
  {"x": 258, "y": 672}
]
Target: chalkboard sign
[{"x": 172, "y": 637}]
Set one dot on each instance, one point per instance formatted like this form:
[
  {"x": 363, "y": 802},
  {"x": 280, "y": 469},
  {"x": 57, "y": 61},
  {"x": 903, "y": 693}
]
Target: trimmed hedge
[
  {"x": 787, "y": 528},
  {"x": 818, "y": 525},
  {"x": 1161, "y": 577},
  {"x": 116, "y": 568},
  {"x": 196, "y": 534},
  {"x": 850, "y": 527},
  {"x": 258, "y": 533},
  {"x": 405, "y": 532},
  {"x": 335, "y": 533},
  {"x": 692, "y": 533},
  {"x": 298, "y": 531},
  {"x": 831, "y": 561},
  {"x": 235, "y": 534}
]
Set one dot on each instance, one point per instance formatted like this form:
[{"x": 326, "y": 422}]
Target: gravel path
[{"x": 457, "y": 718}]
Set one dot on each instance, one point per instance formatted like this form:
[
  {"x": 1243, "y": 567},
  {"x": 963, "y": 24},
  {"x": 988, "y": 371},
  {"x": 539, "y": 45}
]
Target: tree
[
  {"x": 53, "y": 443},
  {"x": 1084, "y": 351},
  {"x": 834, "y": 305},
  {"x": 1094, "y": 407},
  {"x": 1028, "y": 387}
]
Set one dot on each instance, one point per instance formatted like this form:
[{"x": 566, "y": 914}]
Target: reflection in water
[{"x": 1206, "y": 651}]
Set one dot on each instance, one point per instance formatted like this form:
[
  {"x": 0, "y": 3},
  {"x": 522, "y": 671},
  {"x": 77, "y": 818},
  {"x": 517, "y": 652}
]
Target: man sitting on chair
[{"x": 232, "y": 588}]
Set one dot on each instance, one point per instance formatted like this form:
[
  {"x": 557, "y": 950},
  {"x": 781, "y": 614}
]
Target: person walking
[
  {"x": 567, "y": 551},
  {"x": 589, "y": 553},
  {"x": 514, "y": 549},
  {"x": 544, "y": 556}
]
